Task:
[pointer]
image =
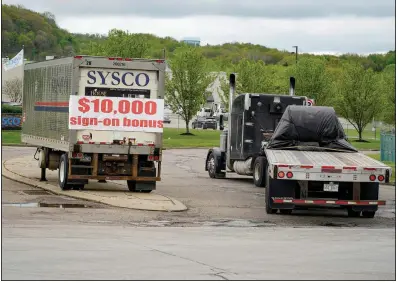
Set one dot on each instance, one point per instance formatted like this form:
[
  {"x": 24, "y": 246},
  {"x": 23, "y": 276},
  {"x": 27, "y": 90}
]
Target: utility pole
[{"x": 295, "y": 46}]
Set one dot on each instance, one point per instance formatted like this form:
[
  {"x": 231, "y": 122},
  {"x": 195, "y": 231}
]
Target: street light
[{"x": 295, "y": 46}]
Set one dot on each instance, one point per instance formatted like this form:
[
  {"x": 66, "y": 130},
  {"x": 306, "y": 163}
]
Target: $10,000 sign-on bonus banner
[{"x": 116, "y": 114}]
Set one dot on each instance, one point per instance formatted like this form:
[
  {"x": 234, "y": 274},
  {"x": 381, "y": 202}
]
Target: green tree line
[
  {"x": 41, "y": 36},
  {"x": 360, "y": 88}
]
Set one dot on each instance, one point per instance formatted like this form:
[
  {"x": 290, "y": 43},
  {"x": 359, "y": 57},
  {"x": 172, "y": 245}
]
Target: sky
[{"x": 316, "y": 26}]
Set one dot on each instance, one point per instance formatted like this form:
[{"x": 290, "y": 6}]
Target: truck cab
[{"x": 252, "y": 120}]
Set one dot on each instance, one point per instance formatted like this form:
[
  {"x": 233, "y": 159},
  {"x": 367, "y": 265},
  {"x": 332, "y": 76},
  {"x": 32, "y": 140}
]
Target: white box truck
[{"x": 96, "y": 118}]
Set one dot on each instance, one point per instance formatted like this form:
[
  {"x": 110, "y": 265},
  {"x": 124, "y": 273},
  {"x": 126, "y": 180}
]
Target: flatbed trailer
[{"x": 307, "y": 178}]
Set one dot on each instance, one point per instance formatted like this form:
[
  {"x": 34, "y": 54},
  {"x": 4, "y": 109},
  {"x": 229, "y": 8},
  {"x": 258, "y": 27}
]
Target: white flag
[{"x": 14, "y": 62}]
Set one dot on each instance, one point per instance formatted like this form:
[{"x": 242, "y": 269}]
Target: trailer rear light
[
  {"x": 372, "y": 177},
  {"x": 77, "y": 155},
  {"x": 349, "y": 168},
  {"x": 289, "y": 175},
  {"x": 281, "y": 174},
  {"x": 381, "y": 178},
  {"x": 327, "y": 167}
]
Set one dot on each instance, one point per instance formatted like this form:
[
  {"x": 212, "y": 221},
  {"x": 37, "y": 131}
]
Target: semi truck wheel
[
  {"x": 268, "y": 199},
  {"x": 259, "y": 171},
  {"x": 63, "y": 173},
  {"x": 142, "y": 187},
  {"x": 368, "y": 214},
  {"x": 352, "y": 213},
  {"x": 214, "y": 172}
]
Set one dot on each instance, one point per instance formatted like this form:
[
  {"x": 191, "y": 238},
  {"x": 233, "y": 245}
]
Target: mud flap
[
  {"x": 282, "y": 189},
  {"x": 368, "y": 191}
]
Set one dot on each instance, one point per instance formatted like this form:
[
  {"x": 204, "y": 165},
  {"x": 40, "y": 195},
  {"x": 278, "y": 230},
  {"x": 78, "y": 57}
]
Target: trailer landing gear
[{"x": 43, "y": 175}]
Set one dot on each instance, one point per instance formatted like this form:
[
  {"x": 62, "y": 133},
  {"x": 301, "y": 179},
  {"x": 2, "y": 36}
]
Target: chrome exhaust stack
[
  {"x": 232, "y": 88},
  {"x": 292, "y": 86}
]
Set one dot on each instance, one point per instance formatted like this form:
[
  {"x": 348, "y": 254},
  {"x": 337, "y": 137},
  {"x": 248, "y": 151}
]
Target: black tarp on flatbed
[{"x": 312, "y": 126}]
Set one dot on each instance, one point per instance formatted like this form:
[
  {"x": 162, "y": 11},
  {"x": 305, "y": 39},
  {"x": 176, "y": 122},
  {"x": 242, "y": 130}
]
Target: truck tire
[
  {"x": 132, "y": 185},
  {"x": 353, "y": 213},
  {"x": 268, "y": 199},
  {"x": 368, "y": 214},
  {"x": 259, "y": 171},
  {"x": 214, "y": 172},
  {"x": 63, "y": 173}
]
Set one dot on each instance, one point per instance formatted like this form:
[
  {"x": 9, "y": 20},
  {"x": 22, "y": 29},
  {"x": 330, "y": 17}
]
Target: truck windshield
[{"x": 118, "y": 92}]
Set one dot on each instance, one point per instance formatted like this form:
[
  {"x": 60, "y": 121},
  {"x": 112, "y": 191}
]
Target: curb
[
  {"x": 18, "y": 145},
  {"x": 177, "y": 205}
]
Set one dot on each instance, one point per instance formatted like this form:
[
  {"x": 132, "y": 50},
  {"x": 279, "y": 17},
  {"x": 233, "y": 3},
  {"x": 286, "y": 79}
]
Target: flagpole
[{"x": 23, "y": 70}]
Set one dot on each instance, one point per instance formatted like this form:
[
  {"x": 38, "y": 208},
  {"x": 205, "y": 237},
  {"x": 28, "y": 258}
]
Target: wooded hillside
[{"x": 41, "y": 36}]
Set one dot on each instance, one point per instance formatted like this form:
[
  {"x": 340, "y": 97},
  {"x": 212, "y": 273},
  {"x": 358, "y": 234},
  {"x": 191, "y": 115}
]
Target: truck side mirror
[{"x": 221, "y": 122}]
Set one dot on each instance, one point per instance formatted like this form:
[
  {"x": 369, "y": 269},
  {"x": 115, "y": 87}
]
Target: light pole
[{"x": 295, "y": 46}]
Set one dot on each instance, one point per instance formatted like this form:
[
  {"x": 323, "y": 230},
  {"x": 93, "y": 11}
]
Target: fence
[{"x": 387, "y": 147}]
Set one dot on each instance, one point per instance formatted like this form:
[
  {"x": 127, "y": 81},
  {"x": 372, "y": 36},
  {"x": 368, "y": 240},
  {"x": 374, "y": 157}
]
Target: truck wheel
[
  {"x": 132, "y": 185},
  {"x": 259, "y": 171},
  {"x": 352, "y": 213},
  {"x": 368, "y": 214},
  {"x": 211, "y": 168},
  {"x": 285, "y": 211},
  {"x": 78, "y": 187},
  {"x": 268, "y": 199},
  {"x": 63, "y": 172}
]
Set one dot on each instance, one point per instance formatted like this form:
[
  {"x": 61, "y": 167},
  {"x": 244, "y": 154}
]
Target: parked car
[
  {"x": 166, "y": 119},
  {"x": 204, "y": 123}
]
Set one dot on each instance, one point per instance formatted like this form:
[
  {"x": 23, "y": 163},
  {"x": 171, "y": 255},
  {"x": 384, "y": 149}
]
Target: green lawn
[
  {"x": 366, "y": 135},
  {"x": 172, "y": 138},
  {"x": 388, "y": 163},
  {"x": 11, "y": 137}
]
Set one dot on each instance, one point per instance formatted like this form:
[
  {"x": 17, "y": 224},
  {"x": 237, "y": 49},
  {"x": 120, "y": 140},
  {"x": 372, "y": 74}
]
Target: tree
[
  {"x": 121, "y": 44},
  {"x": 312, "y": 80},
  {"x": 357, "y": 98},
  {"x": 13, "y": 89},
  {"x": 387, "y": 89},
  {"x": 186, "y": 88}
]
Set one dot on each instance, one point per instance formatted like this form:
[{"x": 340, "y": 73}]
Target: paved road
[
  {"x": 103, "y": 253},
  {"x": 225, "y": 234},
  {"x": 208, "y": 201}
]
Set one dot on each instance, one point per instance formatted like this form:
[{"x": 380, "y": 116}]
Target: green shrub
[{"x": 9, "y": 109}]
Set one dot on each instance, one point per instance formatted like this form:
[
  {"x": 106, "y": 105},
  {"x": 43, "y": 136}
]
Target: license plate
[{"x": 331, "y": 187}]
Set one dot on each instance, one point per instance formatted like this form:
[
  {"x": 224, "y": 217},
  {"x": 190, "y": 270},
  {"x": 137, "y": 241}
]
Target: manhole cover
[{"x": 36, "y": 192}]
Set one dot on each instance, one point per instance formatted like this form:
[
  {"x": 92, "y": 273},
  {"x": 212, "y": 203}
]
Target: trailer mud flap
[{"x": 281, "y": 193}]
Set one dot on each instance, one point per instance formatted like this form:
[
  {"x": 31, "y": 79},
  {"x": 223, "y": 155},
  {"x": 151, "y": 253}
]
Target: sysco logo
[{"x": 116, "y": 78}]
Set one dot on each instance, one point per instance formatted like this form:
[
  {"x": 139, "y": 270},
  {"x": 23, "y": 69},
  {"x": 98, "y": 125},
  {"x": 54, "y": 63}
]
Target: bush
[{"x": 9, "y": 109}]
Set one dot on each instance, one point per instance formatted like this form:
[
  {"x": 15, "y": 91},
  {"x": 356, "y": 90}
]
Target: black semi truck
[{"x": 299, "y": 153}]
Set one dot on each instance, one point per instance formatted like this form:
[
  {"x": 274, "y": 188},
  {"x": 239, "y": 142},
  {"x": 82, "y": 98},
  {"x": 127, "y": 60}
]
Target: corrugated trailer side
[{"x": 46, "y": 91}]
